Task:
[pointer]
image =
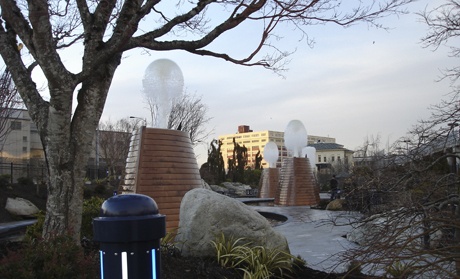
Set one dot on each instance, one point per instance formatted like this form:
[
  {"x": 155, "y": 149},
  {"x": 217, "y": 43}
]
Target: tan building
[
  {"x": 22, "y": 142},
  {"x": 255, "y": 141}
]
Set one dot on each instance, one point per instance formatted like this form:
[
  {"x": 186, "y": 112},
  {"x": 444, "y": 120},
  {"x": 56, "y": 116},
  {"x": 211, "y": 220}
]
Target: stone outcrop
[
  {"x": 236, "y": 188},
  {"x": 335, "y": 205},
  {"x": 205, "y": 185},
  {"x": 204, "y": 215},
  {"x": 21, "y": 207}
]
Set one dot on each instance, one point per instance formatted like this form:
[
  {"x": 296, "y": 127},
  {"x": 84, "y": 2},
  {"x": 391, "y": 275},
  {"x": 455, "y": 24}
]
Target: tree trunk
[{"x": 67, "y": 148}]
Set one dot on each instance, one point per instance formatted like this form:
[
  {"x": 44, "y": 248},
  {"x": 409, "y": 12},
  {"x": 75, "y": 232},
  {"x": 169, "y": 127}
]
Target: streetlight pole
[
  {"x": 407, "y": 141},
  {"x": 452, "y": 126},
  {"x": 143, "y": 119}
]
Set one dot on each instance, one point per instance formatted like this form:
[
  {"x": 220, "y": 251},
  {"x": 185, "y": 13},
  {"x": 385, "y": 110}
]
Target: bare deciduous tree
[
  {"x": 443, "y": 26},
  {"x": 410, "y": 201},
  {"x": 104, "y": 31},
  {"x": 114, "y": 139},
  {"x": 9, "y": 100},
  {"x": 189, "y": 114}
]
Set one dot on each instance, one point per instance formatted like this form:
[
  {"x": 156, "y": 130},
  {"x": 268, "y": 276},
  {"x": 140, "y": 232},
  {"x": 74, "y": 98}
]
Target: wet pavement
[{"x": 312, "y": 236}]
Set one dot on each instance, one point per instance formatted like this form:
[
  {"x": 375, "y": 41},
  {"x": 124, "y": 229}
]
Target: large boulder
[
  {"x": 218, "y": 189},
  {"x": 335, "y": 205},
  {"x": 205, "y": 215},
  {"x": 21, "y": 207},
  {"x": 205, "y": 185},
  {"x": 236, "y": 187}
]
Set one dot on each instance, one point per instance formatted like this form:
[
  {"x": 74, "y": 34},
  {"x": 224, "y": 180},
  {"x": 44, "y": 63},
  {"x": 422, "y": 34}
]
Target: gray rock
[
  {"x": 236, "y": 187},
  {"x": 205, "y": 185},
  {"x": 219, "y": 189},
  {"x": 21, "y": 207},
  {"x": 204, "y": 215},
  {"x": 335, "y": 205}
]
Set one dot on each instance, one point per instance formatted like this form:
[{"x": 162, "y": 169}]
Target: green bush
[
  {"x": 100, "y": 189},
  {"x": 400, "y": 270},
  {"x": 91, "y": 208},
  {"x": 25, "y": 181},
  {"x": 5, "y": 180},
  {"x": 34, "y": 231},
  {"x": 56, "y": 258},
  {"x": 87, "y": 193},
  {"x": 354, "y": 268}
]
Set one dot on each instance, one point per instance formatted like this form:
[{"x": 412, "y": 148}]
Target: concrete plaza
[{"x": 312, "y": 236}]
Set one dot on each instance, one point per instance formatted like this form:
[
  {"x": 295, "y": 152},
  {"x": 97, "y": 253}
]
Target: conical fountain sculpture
[
  {"x": 269, "y": 180},
  {"x": 161, "y": 162},
  {"x": 297, "y": 184}
]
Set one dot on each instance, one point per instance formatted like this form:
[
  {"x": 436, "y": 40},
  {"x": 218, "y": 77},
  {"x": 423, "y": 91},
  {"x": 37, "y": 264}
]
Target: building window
[
  {"x": 324, "y": 159},
  {"x": 332, "y": 158},
  {"x": 319, "y": 158},
  {"x": 24, "y": 148},
  {"x": 16, "y": 125},
  {"x": 24, "y": 138},
  {"x": 338, "y": 158}
]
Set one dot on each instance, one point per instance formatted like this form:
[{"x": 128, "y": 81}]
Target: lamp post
[
  {"x": 97, "y": 153},
  {"x": 453, "y": 161},
  {"x": 143, "y": 119},
  {"x": 407, "y": 141}
]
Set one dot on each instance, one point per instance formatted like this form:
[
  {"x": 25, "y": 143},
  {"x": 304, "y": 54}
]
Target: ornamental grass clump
[{"x": 255, "y": 262}]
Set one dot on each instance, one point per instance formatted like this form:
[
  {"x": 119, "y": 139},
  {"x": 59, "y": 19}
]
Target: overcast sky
[{"x": 354, "y": 83}]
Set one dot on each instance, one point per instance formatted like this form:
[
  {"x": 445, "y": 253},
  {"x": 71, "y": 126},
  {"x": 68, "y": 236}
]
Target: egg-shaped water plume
[
  {"x": 163, "y": 85},
  {"x": 295, "y": 138},
  {"x": 310, "y": 153},
  {"x": 269, "y": 180},
  {"x": 297, "y": 182},
  {"x": 271, "y": 154}
]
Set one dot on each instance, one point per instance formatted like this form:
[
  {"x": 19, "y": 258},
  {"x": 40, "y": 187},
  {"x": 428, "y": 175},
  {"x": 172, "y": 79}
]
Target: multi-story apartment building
[
  {"x": 255, "y": 142},
  {"x": 22, "y": 141}
]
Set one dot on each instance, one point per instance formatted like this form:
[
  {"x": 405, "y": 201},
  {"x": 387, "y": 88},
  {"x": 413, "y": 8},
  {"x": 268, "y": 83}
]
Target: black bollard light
[{"x": 129, "y": 229}]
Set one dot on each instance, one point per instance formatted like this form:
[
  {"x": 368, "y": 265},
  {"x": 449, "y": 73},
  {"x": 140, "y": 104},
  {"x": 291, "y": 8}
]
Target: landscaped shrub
[
  {"x": 34, "y": 231},
  {"x": 91, "y": 209},
  {"x": 354, "y": 268},
  {"x": 400, "y": 270},
  {"x": 56, "y": 258},
  {"x": 256, "y": 262},
  {"x": 26, "y": 181},
  {"x": 87, "y": 192},
  {"x": 5, "y": 180}
]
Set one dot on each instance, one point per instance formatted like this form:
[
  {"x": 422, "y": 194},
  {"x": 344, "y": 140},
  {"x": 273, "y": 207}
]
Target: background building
[
  {"x": 326, "y": 148},
  {"x": 22, "y": 154},
  {"x": 22, "y": 141}
]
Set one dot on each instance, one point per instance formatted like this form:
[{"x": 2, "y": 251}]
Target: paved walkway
[{"x": 312, "y": 237}]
